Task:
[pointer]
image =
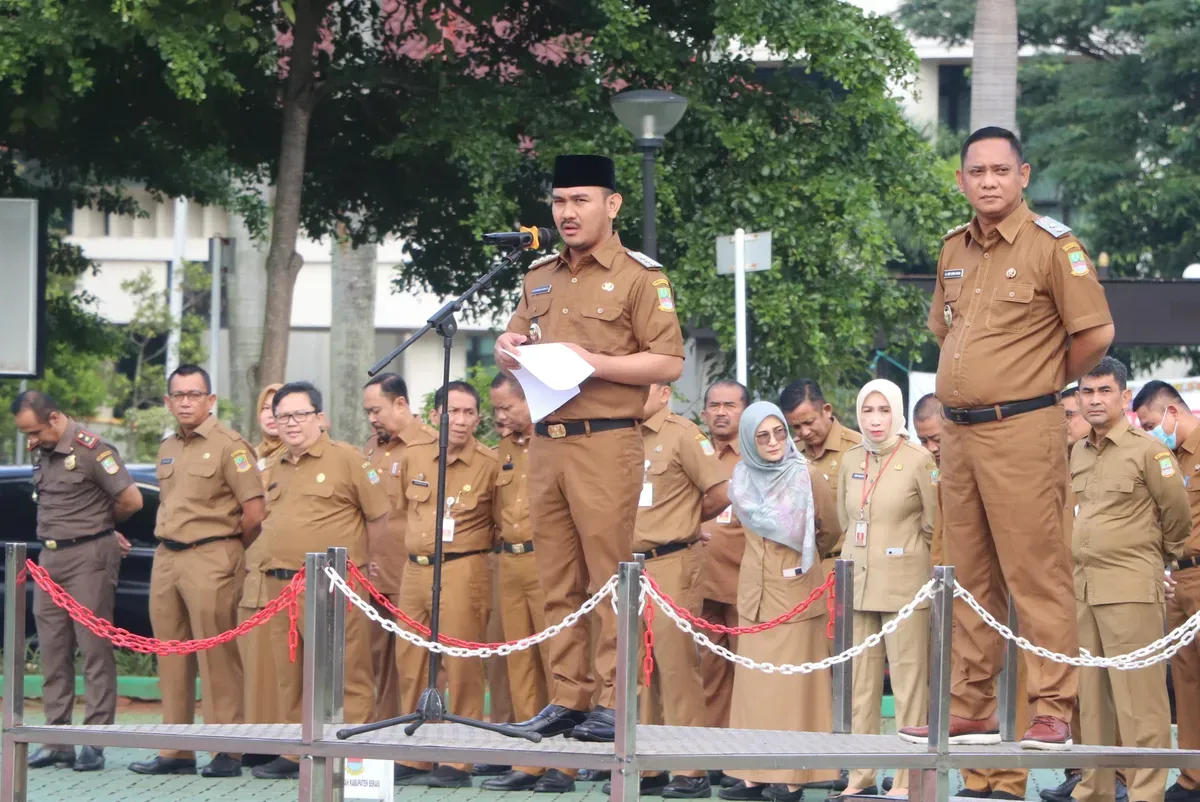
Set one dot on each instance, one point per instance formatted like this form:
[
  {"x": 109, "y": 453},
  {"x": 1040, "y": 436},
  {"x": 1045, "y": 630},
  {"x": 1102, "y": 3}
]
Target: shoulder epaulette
[
  {"x": 955, "y": 230},
  {"x": 87, "y": 439},
  {"x": 544, "y": 260},
  {"x": 483, "y": 449},
  {"x": 644, "y": 260},
  {"x": 1053, "y": 227}
]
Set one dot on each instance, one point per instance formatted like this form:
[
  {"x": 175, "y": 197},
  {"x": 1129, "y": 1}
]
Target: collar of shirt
[
  {"x": 833, "y": 441},
  {"x": 1192, "y": 444},
  {"x": 1007, "y": 229},
  {"x": 204, "y": 429},
  {"x": 68, "y": 439},
  {"x": 732, "y": 445},
  {"x": 315, "y": 450},
  {"x": 604, "y": 254},
  {"x": 411, "y": 434},
  {"x": 1114, "y": 434},
  {"x": 656, "y": 421},
  {"x": 466, "y": 456}
]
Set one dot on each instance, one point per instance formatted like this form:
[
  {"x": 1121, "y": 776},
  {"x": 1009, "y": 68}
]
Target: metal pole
[
  {"x": 175, "y": 285},
  {"x": 649, "y": 205},
  {"x": 335, "y": 668},
  {"x": 14, "y": 755},
  {"x": 19, "y": 440},
  {"x": 216, "y": 261},
  {"x": 315, "y": 702},
  {"x": 1008, "y": 681},
  {"x": 843, "y": 639},
  {"x": 934, "y": 785},
  {"x": 739, "y": 301},
  {"x": 625, "y": 780}
]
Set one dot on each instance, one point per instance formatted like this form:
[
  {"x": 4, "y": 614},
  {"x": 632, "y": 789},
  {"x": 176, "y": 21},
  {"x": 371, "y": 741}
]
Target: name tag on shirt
[
  {"x": 858, "y": 476},
  {"x": 419, "y": 483},
  {"x": 952, "y": 273},
  {"x": 447, "y": 530},
  {"x": 646, "y": 499},
  {"x": 894, "y": 552},
  {"x": 726, "y": 516}
]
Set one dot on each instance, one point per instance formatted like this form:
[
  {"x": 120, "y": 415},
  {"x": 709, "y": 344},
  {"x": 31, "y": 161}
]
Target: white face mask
[{"x": 1169, "y": 440}]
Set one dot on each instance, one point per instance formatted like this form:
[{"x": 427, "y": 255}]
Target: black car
[{"x": 17, "y": 506}]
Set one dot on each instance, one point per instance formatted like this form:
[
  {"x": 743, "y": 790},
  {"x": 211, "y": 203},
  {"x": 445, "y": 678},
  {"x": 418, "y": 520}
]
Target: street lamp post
[{"x": 649, "y": 114}]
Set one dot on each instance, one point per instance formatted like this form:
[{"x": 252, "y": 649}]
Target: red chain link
[
  {"x": 829, "y": 605},
  {"x": 648, "y": 660},
  {"x": 125, "y": 639},
  {"x": 750, "y": 630}
]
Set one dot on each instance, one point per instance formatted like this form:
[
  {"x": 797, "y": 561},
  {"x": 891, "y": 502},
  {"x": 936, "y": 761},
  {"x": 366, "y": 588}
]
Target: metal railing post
[
  {"x": 934, "y": 785},
  {"x": 335, "y": 673},
  {"x": 1008, "y": 681},
  {"x": 315, "y": 702},
  {"x": 14, "y": 755},
  {"x": 625, "y": 780},
  {"x": 843, "y": 639}
]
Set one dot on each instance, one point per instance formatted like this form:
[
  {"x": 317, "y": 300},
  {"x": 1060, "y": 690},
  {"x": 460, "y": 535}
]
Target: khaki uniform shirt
[
  {"x": 75, "y": 484},
  {"x": 829, "y": 458},
  {"x": 1188, "y": 454},
  {"x": 470, "y": 482},
  {"x": 614, "y": 302},
  {"x": 723, "y": 553},
  {"x": 1133, "y": 516},
  {"x": 204, "y": 478},
  {"x": 385, "y": 457},
  {"x": 900, "y": 510},
  {"x": 320, "y": 499},
  {"x": 681, "y": 466},
  {"x": 763, "y": 591},
  {"x": 1003, "y": 306},
  {"x": 510, "y": 507}
]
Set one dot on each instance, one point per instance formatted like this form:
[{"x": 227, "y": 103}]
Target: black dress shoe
[
  {"x": 164, "y": 765},
  {"x": 553, "y": 720},
  {"x": 594, "y": 775},
  {"x": 742, "y": 792},
  {"x": 251, "y": 760},
  {"x": 886, "y": 785},
  {"x": 222, "y": 765},
  {"x": 688, "y": 788},
  {"x": 1177, "y": 793},
  {"x": 512, "y": 781},
  {"x": 729, "y": 782},
  {"x": 970, "y": 793},
  {"x": 407, "y": 775},
  {"x": 840, "y": 784},
  {"x": 90, "y": 759},
  {"x": 780, "y": 793},
  {"x": 600, "y": 726},
  {"x": 651, "y": 785},
  {"x": 489, "y": 770},
  {"x": 1063, "y": 792},
  {"x": 278, "y": 769},
  {"x": 554, "y": 782},
  {"x": 445, "y": 777},
  {"x": 49, "y": 757}
]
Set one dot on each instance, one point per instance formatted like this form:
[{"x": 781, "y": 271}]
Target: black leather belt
[
  {"x": 281, "y": 573},
  {"x": 574, "y": 428},
  {"x": 518, "y": 548},
  {"x": 175, "y": 545},
  {"x": 1186, "y": 563},
  {"x": 998, "y": 411},
  {"x": 427, "y": 559},
  {"x": 663, "y": 551},
  {"x": 57, "y": 545}
]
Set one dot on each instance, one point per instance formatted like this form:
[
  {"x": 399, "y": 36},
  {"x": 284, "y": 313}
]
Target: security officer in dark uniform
[{"x": 82, "y": 490}]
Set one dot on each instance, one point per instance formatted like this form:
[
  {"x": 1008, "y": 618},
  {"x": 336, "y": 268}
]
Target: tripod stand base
[{"x": 431, "y": 709}]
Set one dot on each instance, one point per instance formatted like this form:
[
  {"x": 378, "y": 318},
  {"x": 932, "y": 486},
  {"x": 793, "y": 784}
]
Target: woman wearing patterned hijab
[{"x": 790, "y": 518}]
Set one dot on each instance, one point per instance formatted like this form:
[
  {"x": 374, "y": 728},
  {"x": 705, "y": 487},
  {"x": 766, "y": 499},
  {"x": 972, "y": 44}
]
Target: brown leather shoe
[
  {"x": 963, "y": 731},
  {"x": 1047, "y": 733}
]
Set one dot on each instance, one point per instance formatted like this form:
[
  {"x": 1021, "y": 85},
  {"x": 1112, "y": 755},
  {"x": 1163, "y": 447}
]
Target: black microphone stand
[{"x": 432, "y": 707}]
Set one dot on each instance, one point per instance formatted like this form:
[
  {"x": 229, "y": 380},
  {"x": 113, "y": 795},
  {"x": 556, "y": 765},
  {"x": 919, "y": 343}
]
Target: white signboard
[
  {"x": 369, "y": 779},
  {"x": 758, "y": 253},
  {"x": 20, "y": 300}
]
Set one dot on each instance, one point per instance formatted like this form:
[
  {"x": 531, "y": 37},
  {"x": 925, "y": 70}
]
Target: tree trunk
[
  {"x": 246, "y": 306},
  {"x": 283, "y": 263},
  {"x": 994, "y": 65},
  {"x": 351, "y": 337}
]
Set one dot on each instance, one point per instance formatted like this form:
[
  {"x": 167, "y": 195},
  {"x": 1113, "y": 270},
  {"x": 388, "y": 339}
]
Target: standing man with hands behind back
[{"x": 615, "y": 308}]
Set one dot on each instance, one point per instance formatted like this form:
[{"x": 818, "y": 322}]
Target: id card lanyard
[{"x": 860, "y": 526}]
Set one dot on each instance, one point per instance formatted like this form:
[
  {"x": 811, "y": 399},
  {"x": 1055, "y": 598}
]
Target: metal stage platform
[{"x": 636, "y": 748}]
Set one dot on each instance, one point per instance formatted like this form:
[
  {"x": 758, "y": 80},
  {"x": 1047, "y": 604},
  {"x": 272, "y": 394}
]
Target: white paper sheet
[{"x": 550, "y": 375}]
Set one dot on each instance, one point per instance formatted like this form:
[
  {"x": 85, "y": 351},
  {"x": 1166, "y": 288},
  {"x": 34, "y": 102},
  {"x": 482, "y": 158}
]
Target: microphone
[{"x": 525, "y": 237}]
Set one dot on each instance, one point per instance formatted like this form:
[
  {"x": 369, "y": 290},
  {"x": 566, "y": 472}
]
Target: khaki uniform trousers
[
  {"x": 359, "y": 673},
  {"x": 523, "y": 613},
  {"x": 383, "y": 659},
  {"x": 195, "y": 594},
  {"x": 1131, "y": 703},
  {"x": 466, "y": 603},
  {"x": 675, "y": 695},
  {"x": 1003, "y": 491},
  {"x": 907, "y": 654},
  {"x": 259, "y": 700},
  {"x": 716, "y": 671},
  {"x": 500, "y": 707},
  {"x": 89, "y": 573},
  {"x": 1185, "y": 669},
  {"x": 583, "y": 505}
]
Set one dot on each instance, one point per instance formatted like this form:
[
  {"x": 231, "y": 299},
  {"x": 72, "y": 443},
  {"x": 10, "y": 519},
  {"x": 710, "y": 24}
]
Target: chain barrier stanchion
[
  {"x": 631, "y": 580},
  {"x": 841, "y": 628},
  {"x": 14, "y": 754}
]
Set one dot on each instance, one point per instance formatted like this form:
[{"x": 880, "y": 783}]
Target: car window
[
  {"x": 139, "y": 529},
  {"x": 19, "y": 509}
]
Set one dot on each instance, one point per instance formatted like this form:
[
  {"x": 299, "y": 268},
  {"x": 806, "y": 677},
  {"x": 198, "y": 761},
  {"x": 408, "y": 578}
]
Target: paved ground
[{"x": 116, "y": 782}]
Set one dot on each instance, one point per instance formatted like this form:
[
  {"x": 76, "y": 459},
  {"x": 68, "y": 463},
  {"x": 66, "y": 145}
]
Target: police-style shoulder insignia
[
  {"x": 87, "y": 439},
  {"x": 545, "y": 260},
  {"x": 241, "y": 460},
  {"x": 1053, "y": 227},
  {"x": 955, "y": 230},
  {"x": 644, "y": 260}
]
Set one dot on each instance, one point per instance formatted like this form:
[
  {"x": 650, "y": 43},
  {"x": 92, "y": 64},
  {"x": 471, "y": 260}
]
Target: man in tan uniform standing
[
  {"x": 322, "y": 494},
  {"x": 82, "y": 491},
  {"x": 615, "y": 308},
  {"x": 385, "y": 400},
  {"x": 210, "y": 508},
  {"x": 1018, "y": 313},
  {"x": 1133, "y": 518},
  {"x": 467, "y": 540}
]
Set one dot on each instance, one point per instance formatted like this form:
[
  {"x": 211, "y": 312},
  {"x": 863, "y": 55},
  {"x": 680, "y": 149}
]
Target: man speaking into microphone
[{"x": 615, "y": 308}]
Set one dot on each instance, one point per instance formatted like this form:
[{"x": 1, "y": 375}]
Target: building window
[
  {"x": 480, "y": 350},
  {"x": 954, "y": 97}
]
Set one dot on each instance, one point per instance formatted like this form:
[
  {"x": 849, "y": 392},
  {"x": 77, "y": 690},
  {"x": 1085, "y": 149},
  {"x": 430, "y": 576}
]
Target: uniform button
[
  {"x": 574, "y": 281},
  {"x": 1012, "y": 295},
  {"x": 956, "y": 392},
  {"x": 600, "y": 310},
  {"x": 564, "y": 311},
  {"x": 987, "y": 256},
  {"x": 522, "y": 476},
  {"x": 977, "y": 290},
  {"x": 956, "y": 356}
]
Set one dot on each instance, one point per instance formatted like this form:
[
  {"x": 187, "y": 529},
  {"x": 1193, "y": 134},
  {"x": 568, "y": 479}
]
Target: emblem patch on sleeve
[
  {"x": 706, "y": 445},
  {"x": 1166, "y": 465},
  {"x": 110, "y": 465},
  {"x": 665, "y": 302},
  {"x": 241, "y": 461}
]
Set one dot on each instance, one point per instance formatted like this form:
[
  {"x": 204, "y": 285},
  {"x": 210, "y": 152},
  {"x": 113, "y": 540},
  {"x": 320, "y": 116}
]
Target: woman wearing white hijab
[
  {"x": 789, "y": 514},
  {"x": 886, "y": 502}
]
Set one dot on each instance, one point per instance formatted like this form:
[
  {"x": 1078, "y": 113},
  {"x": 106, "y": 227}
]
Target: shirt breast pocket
[
  {"x": 163, "y": 471},
  {"x": 1123, "y": 486},
  {"x": 465, "y": 503},
  {"x": 951, "y": 290},
  {"x": 1010, "y": 309},
  {"x": 201, "y": 475},
  {"x": 416, "y": 494},
  {"x": 601, "y": 325},
  {"x": 505, "y": 478}
]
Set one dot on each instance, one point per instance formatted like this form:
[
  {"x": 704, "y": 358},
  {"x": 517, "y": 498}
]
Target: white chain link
[
  {"x": 1162, "y": 649},
  {"x": 336, "y": 582},
  {"x": 927, "y": 591}
]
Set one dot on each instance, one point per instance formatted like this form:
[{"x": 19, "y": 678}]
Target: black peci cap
[{"x": 585, "y": 171}]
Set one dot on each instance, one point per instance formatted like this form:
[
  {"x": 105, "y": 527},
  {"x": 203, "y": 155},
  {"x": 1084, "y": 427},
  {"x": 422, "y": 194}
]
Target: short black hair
[
  {"x": 390, "y": 384},
  {"x": 502, "y": 379},
  {"x": 462, "y": 387},
  {"x": 800, "y": 391},
  {"x": 39, "y": 403},
  {"x": 1111, "y": 366},
  {"x": 927, "y": 407},
  {"x": 1155, "y": 390},
  {"x": 993, "y": 132},
  {"x": 745, "y": 393},
  {"x": 314, "y": 395},
  {"x": 190, "y": 370}
]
